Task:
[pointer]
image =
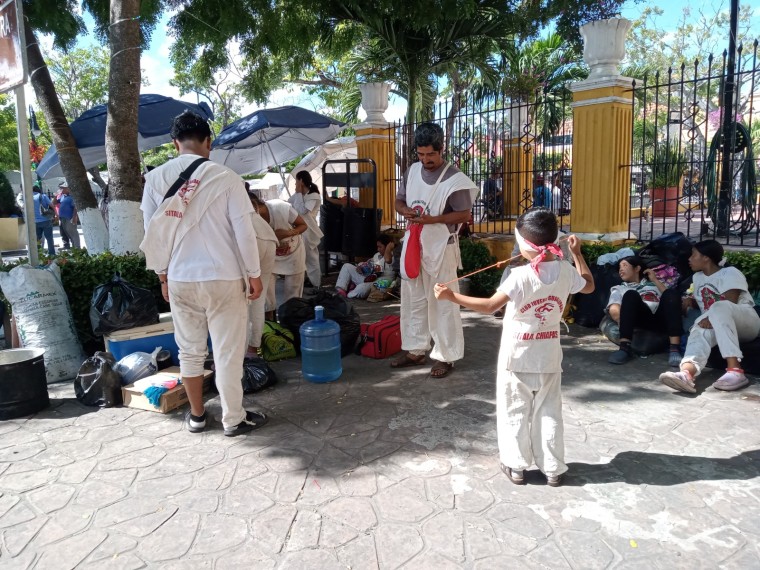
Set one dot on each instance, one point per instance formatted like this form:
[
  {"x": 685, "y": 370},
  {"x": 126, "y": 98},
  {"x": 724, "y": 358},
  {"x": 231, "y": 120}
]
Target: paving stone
[
  {"x": 312, "y": 559},
  {"x": 480, "y": 539},
  {"x": 305, "y": 531},
  {"x": 470, "y": 495},
  {"x": 22, "y": 482},
  {"x": 318, "y": 490},
  {"x": 290, "y": 485},
  {"x": 271, "y": 528},
  {"x": 21, "y": 451},
  {"x": 163, "y": 487},
  {"x": 444, "y": 534},
  {"x": 109, "y": 434},
  {"x": 198, "y": 500},
  {"x": 245, "y": 557},
  {"x": 70, "y": 552},
  {"x": 113, "y": 546},
  {"x": 584, "y": 550},
  {"x": 377, "y": 449},
  {"x": 24, "y": 561},
  {"x": 334, "y": 534},
  {"x": 79, "y": 449},
  {"x": 171, "y": 540},
  {"x": 399, "y": 504},
  {"x": 146, "y": 524},
  {"x": 18, "y": 437},
  {"x": 219, "y": 533},
  {"x": 7, "y": 427},
  {"x": 282, "y": 463},
  {"x": 249, "y": 466},
  {"x": 189, "y": 563},
  {"x": 421, "y": 465},
  {"x": 335, "y": 460},
  {"x": 157, "y": 429},
  {"x": 140, "y": 458},
  {"x": 118, "y": 562},
  {"x": 548, "y": 555},
  {"x": 396, "y": 544},
  {"x": 62, "y": 524},
  {"x": 440, "y": 491},
  {"x": 131, "y": 507},
  {"x": 18, "y": 536},
  {"x": 97, "y": 494},
  {"x": 216, "y": 477},
  {"x": 432, "y": 561},
  {"x": 523, "y": 520},
  {"x": 18, "y": 513},
  {"x": 77, "y": 472},
  {"x": 361, "y": 481},
  {"x": 359, "y": 553},
  {"x": 51, "y": 497},
  {"x": 266, "y": 482},
  {"x": 356, "y": 512},
  {"x": 245, "y": 499}
]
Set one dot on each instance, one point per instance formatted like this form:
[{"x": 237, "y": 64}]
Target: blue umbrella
[
  {"x": 154, "y": 120},
  {"x": 271, "y": 136}
]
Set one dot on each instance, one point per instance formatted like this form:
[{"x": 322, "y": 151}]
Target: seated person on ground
[
  {"x": 727, "y": 318},
  {"x": 362, "y": 275},
  {"x": 643, "y": 301}
]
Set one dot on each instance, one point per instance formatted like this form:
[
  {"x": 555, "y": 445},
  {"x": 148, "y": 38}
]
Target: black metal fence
[
  {"x": 518, "y": 154},
  {"x": 678, "y": 154}
]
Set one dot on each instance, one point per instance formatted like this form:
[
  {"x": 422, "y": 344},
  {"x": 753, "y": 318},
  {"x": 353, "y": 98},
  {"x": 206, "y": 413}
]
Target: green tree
[
  {"x": 80, "y": 76},
  {"x": 222, "y": 91},
  {"x": 9, "y": 159}
]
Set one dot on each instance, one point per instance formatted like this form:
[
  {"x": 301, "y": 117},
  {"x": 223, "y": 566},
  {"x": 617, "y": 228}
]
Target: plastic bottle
[{"x": 320, "y": 348}]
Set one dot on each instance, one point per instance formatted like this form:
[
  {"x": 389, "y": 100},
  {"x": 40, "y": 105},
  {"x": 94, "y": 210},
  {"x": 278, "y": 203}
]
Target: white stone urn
[
  {"x": 518, "y": 118},
  {"x": 604, "y": 45},
  {"x": 375, "y": 100}
]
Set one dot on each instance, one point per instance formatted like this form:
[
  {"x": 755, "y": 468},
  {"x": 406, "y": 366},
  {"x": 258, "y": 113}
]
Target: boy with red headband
[{"x": 529, "y": 370}]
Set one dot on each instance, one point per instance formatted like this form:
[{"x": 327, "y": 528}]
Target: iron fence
[
  {"x": 677, "y": 160},
  {"x": 518, "y": 154}
]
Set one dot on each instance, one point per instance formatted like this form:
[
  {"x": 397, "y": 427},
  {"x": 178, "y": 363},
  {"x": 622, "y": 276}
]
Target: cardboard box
[
  {"x": 170, "y": 400},
  {"x": 144, "y": 339}
]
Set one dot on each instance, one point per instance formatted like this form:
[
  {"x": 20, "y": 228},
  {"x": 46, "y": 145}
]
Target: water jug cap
[{"x": 319, "y": 313}]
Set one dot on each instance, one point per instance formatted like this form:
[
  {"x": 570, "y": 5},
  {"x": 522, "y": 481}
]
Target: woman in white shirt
[
  {"x": 362, "y": 275},
  {"x": 644, "y": 301},
  {"x": 290, "y": 257},
  {"x": 307, "y": 201},
  {"x": 728, "y": 318},
  {"x": 267, "y": 243}
]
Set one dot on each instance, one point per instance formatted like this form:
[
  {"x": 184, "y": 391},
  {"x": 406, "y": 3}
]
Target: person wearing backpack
[
  {"x": 200, "y": 240},
  {"x": 727, "y": 318}
]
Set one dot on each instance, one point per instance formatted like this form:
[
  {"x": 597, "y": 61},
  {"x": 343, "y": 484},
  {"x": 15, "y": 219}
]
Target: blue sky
[{"x": 158, "y": 69}]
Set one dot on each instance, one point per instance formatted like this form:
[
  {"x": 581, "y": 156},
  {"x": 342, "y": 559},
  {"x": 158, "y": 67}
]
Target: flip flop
[
  {"x": 407, "y": 360},
  {"x": 441, "y": 369}
]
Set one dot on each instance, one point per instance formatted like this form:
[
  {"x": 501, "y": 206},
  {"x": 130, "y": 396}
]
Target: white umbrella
[{"x": 337, "y": 149}]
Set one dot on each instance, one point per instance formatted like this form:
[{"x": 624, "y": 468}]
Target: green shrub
[
  {"x": 82, "y": 272},
  {"x": 749, "y": 264},
  {"x": 476, "y": 255}
]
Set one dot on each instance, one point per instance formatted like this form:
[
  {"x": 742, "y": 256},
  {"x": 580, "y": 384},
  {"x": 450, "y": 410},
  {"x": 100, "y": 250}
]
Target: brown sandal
[
  {"x": 408, "y": 360},
  {"x": 441, "y": 369}
]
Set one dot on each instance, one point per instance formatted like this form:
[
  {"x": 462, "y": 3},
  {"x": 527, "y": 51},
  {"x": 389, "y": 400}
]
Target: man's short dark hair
[
  {"x": 538, "y": 226},
  {"x": 429, "y": 134},
  {"x": 190, "y": 126}
]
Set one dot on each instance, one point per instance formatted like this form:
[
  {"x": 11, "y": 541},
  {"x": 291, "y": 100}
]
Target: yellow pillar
[
  {"x": 378, "y": 142},
  {"x": 602, "y": 111},
  {"x": 518, "y": 166}
]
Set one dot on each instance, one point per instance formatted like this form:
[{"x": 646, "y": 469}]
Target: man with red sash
[{"x": 435, "y": 198}]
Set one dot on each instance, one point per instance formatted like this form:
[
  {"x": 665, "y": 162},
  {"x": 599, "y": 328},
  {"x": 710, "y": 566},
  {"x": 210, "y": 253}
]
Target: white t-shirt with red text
[
  {"x": 530, "y": 339},
  {"x": 711, "y": 288}
]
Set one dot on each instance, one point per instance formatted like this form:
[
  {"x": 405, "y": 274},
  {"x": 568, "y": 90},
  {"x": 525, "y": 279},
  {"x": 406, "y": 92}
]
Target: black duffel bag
[{"x": 119, "y": 305}]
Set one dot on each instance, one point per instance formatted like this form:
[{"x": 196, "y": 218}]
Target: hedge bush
[{"x": 82, "y": 272}]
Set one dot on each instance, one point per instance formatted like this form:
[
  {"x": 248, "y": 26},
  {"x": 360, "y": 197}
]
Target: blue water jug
[{"x": 320, "y": 348}]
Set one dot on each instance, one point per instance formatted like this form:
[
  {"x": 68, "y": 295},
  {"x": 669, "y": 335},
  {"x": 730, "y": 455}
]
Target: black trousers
[{"x": 635, "y": 313}]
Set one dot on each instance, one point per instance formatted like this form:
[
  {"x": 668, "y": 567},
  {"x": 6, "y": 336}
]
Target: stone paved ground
[{"x": 392, "y": 469}]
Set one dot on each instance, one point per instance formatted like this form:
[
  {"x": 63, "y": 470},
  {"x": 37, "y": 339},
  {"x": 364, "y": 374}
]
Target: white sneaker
[
  {"x": 195, "y": 424},
  {"x": 678, "y": 381},
  {"x": 731, "y": 380}
]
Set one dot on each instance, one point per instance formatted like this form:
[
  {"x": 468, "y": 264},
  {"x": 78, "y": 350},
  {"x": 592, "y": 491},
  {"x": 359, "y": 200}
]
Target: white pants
[
  {"x": 529, "y": 421},
  {"x": 292, "y": 286},
  {"x": 217, "y": 308},
  {"x": 731, "y": 324},
  {"x": 257, "y": 308},
  {"x": 313, "y": 270},
  {"x": 348, "y": 274},
  {"x": 424, "y": 317}
]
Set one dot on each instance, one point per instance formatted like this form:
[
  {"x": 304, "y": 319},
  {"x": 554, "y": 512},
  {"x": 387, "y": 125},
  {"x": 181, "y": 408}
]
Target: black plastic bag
[
  {"x": 97, "y": 383},
  {"x": 671, "y": 249},
  {"x": 119, "y": 305},
  {"x": 257, "y": 375},
  {"x": 589, "y": 307},
  {"x": 294, "y": 312}
]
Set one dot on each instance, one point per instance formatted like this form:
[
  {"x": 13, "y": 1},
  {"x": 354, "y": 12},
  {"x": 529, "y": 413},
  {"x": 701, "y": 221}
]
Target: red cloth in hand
[{"x": 413, "y": 257}]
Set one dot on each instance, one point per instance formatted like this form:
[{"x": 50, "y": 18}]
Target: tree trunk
[
  {"x": 95, "y": 173},
  {"x": 124, "y": 216},
  {"x": 93, "y": 226}
]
